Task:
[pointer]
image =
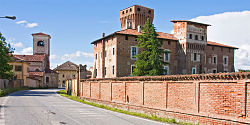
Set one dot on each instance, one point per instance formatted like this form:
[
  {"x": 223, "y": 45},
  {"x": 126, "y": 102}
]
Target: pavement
[{"x": 46, "y": 107}]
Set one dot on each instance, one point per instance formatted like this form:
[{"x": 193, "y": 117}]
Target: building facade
[
  {"x": 38, "y": 64},
  {"x": 190, "y": 51}
]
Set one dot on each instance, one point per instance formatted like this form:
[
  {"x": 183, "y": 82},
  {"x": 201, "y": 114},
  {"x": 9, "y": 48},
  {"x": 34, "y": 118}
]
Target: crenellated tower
[{"x": 135, "y": 16}]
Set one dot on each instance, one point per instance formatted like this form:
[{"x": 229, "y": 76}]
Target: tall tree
[
  {"x": 5, "y": 57},
  {"x": 149, "y": 62}
]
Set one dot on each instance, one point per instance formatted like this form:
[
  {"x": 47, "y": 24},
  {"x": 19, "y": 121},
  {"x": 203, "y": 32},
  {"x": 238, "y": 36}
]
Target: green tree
[
  {"x": 5, "y": 57},
  {"x": 149, "y": 62}
]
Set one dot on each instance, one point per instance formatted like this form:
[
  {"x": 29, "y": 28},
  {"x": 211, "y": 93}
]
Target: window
[
  {"x": 166, "y": 57},
  {"x": 166, "y": 70},
  {"x": 149, "y": 12},
  {"x": 225, "y": 60},
  {"x": 113, "y": 70},
  {"x": 126, "y": 37},
  {"x": 126, "y": 11},
  {"x": 73, "y": 75},
  {"x": 63, "y": 75},
  {"x": 194, "y": 70},
  {"x": 133, "y": 52},
  {"x": 195, "y": 56},
  {"x": 101, "y": 55},
  {"x": 47, "y": 79},
  {"x": 95, "y": 72},
  {"x": 105, "y": 71},
  {"x": 213, "y": 48},
  {"x": 105, "y": 53},
  {"x": 132, "y": 69},
  {"x": 221, "y": 49},
  {"x": 122, "y": 12},
  {"x": 130, "y": 10},
  {"x": 18, "y": 68},
  {"x": 214, "y": 60},
  {"x": 214, "y": 71},
  {"x": 190, "y": 36},
  {"x": 138, "y": 9},
  {"x": 40, "y": 43},
  {"x": 113, "y": 51},
  {"x": 202, "y": 38},
  {"x": 95, "y": 56},
  {"x": 169, "y": 42},
  {"x": 196, "y": 37}
]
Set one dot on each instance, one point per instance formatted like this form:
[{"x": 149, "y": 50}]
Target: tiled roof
[
  {"x": 67, "y": 66},
  {"x": 40, "y": 34},
  {"x": 218, "y": 44},
  {"x": 36, "y": 74},
  {"x": 135, "y": 32},
  {"x": 189, "y": 22},
  {"x": 30, "y": 58}
]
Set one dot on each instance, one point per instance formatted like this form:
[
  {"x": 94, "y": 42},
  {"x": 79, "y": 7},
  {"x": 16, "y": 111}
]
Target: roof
[
  {"x": 50, "y": 71},
  {"x": 40, "y": 74},
  {"x": 40, "y": 34},
  {"x": 135, "y": 33},
  {"x": 189, "y": 22},
  {"x": 218, "y": 44},
  {"x": 67, "y": 66},
  {"x": 30, "y": 58}
]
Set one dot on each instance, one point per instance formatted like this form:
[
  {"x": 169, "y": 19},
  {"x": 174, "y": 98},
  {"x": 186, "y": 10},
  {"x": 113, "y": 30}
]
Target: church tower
[
  {"x": 135, "y": 17},
  {"x": 41, "y": 44}
]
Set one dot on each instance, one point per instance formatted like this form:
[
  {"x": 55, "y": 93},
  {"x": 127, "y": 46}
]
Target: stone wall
[{"x": 222, "y": 98}]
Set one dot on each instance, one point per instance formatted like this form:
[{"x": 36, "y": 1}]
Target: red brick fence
[{"x": 207, "y": 98}]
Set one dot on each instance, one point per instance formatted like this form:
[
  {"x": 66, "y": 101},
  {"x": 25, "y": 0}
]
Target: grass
[
  {"x": 152, "y": 117},
  {"x": 4, "y": 92}
]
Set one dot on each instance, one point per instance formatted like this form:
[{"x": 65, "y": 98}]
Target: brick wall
[{"x": 222, "y": 98}]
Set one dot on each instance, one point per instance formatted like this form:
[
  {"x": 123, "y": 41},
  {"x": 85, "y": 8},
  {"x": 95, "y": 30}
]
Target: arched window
[{"x": 40, "y": 43}]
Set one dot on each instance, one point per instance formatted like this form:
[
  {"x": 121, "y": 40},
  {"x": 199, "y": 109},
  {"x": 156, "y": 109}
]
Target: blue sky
[{"x": 74, "y": 24}]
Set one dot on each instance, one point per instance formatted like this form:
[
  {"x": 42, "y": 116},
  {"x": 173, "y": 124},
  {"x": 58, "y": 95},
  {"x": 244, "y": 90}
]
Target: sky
[{"x": 74, "y": 24}]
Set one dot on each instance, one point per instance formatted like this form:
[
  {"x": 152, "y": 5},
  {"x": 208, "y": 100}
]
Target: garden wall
[{"x": 222, "y": 98}]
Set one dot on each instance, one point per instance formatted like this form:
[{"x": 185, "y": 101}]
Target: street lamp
[{"x": 9, "y": 17}]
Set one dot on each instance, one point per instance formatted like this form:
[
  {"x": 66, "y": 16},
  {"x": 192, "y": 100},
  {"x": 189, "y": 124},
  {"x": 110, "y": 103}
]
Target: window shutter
[
  {"x": 198, "y": 57},
  {"x": 192, "y": 56}
]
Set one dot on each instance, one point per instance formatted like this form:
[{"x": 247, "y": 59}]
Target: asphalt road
[{"x": 45, "y": 107}]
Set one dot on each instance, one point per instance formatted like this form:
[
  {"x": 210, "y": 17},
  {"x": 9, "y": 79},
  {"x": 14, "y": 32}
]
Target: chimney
[
  {"x": 103, "y": 34},
  {"x": 139, "y": 28}
]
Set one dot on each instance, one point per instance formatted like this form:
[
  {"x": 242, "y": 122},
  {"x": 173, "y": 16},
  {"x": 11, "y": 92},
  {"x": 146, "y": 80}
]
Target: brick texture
[{"x": 222, "y": 98}]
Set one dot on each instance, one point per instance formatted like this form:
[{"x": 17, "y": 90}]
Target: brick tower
[
  {"x": 192, "y": 43},
  {"x": 135, "y": 16},
  {"x": 41, "y": 45}
]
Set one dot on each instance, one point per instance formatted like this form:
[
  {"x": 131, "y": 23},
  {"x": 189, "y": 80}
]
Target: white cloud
[
  {"x": 78, "y": 58},
  {"x": 26, "y": 51},
  {"x": 77, "y": 54},
  {"x": 231, "y": 28},
  {"x": 16, "y": 45},
  {"x": 31, "y": 25},
  {"x": 28, "y": 25},
  {"x": 20, "y": 22}
]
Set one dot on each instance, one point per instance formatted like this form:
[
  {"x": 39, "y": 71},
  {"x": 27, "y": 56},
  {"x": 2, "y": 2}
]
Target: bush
[{"x": 4, "y": 92}]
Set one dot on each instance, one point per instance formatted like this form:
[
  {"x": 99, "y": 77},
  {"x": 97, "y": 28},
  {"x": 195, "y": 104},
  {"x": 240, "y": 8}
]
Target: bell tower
[
  {"x": 41, "y": 44},
  {"x": 135, "y": 16}
]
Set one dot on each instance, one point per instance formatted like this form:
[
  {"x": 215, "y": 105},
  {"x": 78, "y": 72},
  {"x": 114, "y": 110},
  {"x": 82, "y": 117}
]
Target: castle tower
[
  {"x": 192, "y": 43},
  {"x": 135, "y": 16},
  {"x": 41, "y": 45}
]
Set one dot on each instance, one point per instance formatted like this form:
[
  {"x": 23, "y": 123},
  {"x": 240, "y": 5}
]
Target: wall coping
[{"x": 210, "y": 76}]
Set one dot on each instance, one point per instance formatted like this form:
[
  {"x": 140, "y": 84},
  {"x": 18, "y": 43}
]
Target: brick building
[
  {"x": 190, "y": 51},
  {"x": 38, "y": 64}
]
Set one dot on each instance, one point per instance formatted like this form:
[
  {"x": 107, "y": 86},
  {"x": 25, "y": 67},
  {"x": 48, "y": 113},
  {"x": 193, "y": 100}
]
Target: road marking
[{"x": 2, "y": 119}]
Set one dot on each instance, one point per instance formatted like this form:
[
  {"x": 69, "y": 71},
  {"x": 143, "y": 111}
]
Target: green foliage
[
  {"x": 5, "y": 57},
  {"x": 149, "y": 62},
  {"x": 243, "y": 70},
  {"x": 4, "y": 92}
]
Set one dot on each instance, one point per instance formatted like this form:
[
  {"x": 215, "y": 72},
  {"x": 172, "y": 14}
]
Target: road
[{"x": 45, "y": 107}]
